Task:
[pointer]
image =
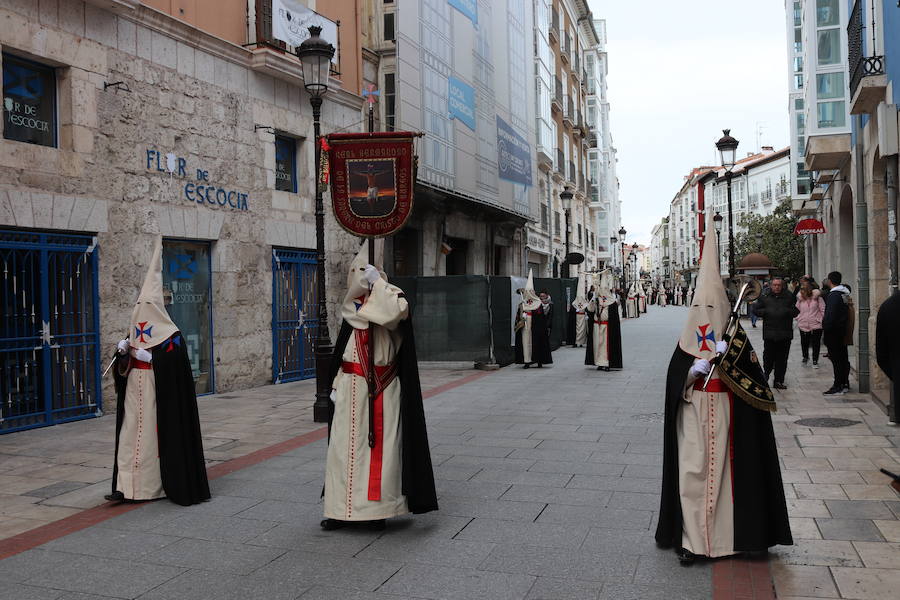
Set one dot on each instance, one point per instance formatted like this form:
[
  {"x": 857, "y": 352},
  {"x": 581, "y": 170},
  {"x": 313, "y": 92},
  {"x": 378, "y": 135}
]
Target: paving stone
[
  {"x": 555, "y": 588},
  {"x": 634, "y": 501},
  {"x": 241, "y": 559},
  {"x": 796, "y": 580},
  {"x": 472, "y": 489},
  {"x": 319, "y": 592},
  {"x": 491, "y": 509},
  {"x": 104, "y": 576},
  {"x": 296, "y": 513},
  {"x": 570, "y": 515},
  {"x": 596, "y": 498},
  {"x": 523, "y": 477},
  {"x": 110, "y": 543},
  {"x": 215, "y": 528},
  {"x": 616, "y": 484},
  {"x": 518, "y": 533},
  {"x": 804, "y": 528},
  {"x": 300, "y": 569},
  {"x": 816, "y": 491},
  {"x": 889, "y": 529},
  {"x": 663, "y": 566},
  {"x": 572, "y": 564},
  {"x": 825, "y": 553},
  {"x": 849, "y": 529},
  {"x": 864, "y": 584},
  {"x": 15, "y": 591},
  {"x": 447, "y": 583},
  {"x": 857, "y": 509},
  {"x": 879, "y": 555},
  {"x": 644, "y": 591},
  {"x": 195, "y": 584},
  {"x": 60, "y": 487},
  {"x": 578, "y": 468}
]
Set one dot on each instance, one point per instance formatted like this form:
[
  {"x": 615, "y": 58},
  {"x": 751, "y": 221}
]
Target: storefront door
[
  {"x": 187, "y": 288},
  {"x": 295, "y": 314}
]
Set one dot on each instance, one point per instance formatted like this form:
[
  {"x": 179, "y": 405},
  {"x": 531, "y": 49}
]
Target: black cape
[
  {"x": 887, "y": 342},
  {"x": 570, "y": 325},
  {"x": 540, "y": 337},
  {"x": 418, "y": 474},
  {"x": 181, "y": 462},
  {"x": 615, "y": 338},
  {"x": 760, "y": 511}
]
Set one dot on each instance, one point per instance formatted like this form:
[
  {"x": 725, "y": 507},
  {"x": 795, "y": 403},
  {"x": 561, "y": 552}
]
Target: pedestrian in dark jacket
[
  {"x": 778, "y": 309},
  {"x": 834, "y": 332},
  {"x": 887, "y": 347}
]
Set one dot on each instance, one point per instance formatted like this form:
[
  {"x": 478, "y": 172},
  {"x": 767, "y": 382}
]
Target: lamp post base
[{"x": 322, "y": 405}]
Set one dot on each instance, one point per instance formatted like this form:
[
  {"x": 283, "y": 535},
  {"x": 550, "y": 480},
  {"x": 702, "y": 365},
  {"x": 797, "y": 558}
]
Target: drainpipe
[{"x": 862, "y": 261}]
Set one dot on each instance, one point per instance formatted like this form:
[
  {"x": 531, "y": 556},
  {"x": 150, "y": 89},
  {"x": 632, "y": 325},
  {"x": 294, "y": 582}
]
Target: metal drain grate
[{"x": 826, "y": 422}]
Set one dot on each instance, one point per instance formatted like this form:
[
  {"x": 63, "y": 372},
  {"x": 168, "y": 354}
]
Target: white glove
[
  {"x": 371, "y": 274},
  {"x": 701, "y": 368},
  {"x": 142, "y": 355},
  {"x": 721, "y": 347},
  {"x": 122, "y": 347},
  {"x": 333, "y": 396}
]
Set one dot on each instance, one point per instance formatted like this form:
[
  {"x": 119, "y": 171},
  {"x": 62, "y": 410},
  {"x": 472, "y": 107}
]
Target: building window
[
  {"x": 829, "y": 44},
  {"x": 389, "y": 27},
  {"x": 545, "y": 221},
  {"x": 390, "y": 102},
  {"x": 827, "y": 13},
  {"x": 579, "y": 233},
  {"x": 830, "y": 85},
  {"x": 556, "y": 227},
  {"x": 285, "y": 164},
  {"x": 831, "y": 114},
  {"x": 29, "y": 102},
  {"x": 798, "y": 103}
]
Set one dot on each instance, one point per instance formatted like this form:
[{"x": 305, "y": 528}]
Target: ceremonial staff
[{"x": 733, "y": 320}]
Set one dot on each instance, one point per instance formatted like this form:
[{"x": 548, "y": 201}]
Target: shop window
[
  {"x": 285, "y": 164},
  {"x": 187, "y": 289},
  {"x": 29, "y": 102}
]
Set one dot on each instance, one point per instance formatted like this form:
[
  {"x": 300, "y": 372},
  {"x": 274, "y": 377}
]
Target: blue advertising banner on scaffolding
[
  {"x": 461, "y": 101},
  {"x": 513, "y": 154},
  {"x": 467, "y": 7}
]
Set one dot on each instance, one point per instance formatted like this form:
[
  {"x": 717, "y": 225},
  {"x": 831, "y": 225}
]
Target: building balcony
[
  {"x": 556, "y": 102},
  {"x": 545, "y": 159},
  {"x": 868, "y": 83},
  {"x": 573, "y": 175},
  {"x": 827, "y": 152},
  {"x": 804, "y": 206},
  {"x": 592, "y": 140},
  {"x": 554, "y": 25},
  {"x": 569, "y": 114}
]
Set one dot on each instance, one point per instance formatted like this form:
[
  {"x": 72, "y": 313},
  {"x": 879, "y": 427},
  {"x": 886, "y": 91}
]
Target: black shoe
[
  {"x": 779, "y": 386},
  {"x": 685, "y": 557},
  {"x": 845, "y": 389},
  {"x": 833, "y": 391},
  {"x": 526, "y": 366},
  {"x": 332, "y": 524},
  {"x": 805, "y": 360},
  {"x": 115, "y": 497},
  {"x": 377, "y": 525},
  {"x": 540, "y": 366}
]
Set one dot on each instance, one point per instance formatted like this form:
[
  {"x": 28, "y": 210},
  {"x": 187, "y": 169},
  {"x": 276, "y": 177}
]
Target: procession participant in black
[
  {"x": 368, "y": 483},
  {"x": 604, "y": 334},
  {"x": 722, "y": 490},
  {"x": 887, "y": 345},
  {"x": 533, "y": 322},
  {"x": 159, "y": 452}
]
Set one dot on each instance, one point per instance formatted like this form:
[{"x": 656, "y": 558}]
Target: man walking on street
[
  {"x": 778, "y": 309},
  {"x": 834, "y": 331}
]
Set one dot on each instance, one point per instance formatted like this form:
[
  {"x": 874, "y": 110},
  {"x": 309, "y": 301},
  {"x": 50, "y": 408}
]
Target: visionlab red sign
[
  {"x": 372, "y": 181},
  {"x": 809, "y": 226}
]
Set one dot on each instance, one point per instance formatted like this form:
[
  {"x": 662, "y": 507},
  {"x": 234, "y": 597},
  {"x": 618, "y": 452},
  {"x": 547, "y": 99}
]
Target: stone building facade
[{"x": 160, "y": 128}]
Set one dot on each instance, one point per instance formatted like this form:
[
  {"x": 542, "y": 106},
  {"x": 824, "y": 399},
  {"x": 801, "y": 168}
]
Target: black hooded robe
[
  {"x": 181, "y": 463},
  {"x": 887, "y": 343},
  {"x": 760, "y": 511},
  {"x": 615, "y": 338},
  {"x": 570, "y": 325},
  {"x": 541, "y": 323},
  {"x": 417, "y": 472}
]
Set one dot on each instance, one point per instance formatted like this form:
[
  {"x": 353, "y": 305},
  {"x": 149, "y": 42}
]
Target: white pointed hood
[
  {"x": 580, "y": 301},
  {"x": 708, "y": 313},
  {"x": 150, "y": 322},
  {"x": 357, "y": 286},
  {"x": 603, "y": 292},
  {"x": 530, "y": 300}
]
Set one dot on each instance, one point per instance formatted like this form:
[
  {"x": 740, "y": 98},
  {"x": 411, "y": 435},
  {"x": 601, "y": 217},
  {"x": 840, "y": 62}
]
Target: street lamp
[
  {"x": 634, "y": 259},
  {"x": 565, "y": 197},
  {"x": 622, "y": 233},
  {"x": 727, "y": 147},
  {"x": 717, "y": 223},
  {"x": 315, "y": 55}
]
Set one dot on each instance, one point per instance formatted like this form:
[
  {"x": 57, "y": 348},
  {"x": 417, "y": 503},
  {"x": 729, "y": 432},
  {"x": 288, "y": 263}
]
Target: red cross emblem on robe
[{"x": 703, "y": 338}]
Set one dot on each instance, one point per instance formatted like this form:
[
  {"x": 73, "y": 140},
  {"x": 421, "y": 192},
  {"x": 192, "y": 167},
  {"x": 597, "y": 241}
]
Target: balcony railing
[
  {"x": 860, "y": 66},
  {"x": 567, "y": 48},
  {"x": 554, "y": 24},
  {"x": 573, "y": 177},
  {"x": 560, "y": 161}
]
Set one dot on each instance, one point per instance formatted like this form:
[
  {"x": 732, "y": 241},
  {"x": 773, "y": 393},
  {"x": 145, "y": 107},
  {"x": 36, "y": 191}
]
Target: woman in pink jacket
[{"x": 809, "y": 321}]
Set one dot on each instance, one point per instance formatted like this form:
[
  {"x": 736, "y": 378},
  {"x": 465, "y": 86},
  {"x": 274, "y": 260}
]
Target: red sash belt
[
  {"x": 715, "y": 385},
  {"x": 139, "y": 364},
  {"x": 383, "y": 377}
]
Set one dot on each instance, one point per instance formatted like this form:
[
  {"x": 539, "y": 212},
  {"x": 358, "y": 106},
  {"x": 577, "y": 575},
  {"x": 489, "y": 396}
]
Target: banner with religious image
[{"x": 372, "y": 178}]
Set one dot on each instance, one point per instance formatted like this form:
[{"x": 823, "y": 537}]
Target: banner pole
[{"x": 371, "y": 336}]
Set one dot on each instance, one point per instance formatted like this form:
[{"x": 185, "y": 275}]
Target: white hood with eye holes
[
  {"x": 150, "y": 322},
  {"x": 708, "y": 313}
]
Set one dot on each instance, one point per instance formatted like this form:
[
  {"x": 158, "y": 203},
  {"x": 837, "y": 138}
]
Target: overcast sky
[{"x": 679, "y": 73}]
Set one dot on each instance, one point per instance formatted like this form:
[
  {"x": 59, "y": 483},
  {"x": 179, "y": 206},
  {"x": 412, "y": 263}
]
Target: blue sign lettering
[
  {"x": 461, "y": 102},
  {"x": 467, "y": 7},
  {"x": 513, "y": 154},
  {"x": 201, "y": 191}
]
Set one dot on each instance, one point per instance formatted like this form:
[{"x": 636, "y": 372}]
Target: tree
[{"x": 784, "y": 249}]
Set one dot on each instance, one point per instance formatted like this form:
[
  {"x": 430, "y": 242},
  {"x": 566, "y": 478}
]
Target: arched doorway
[{"x": 846, "y": 259}]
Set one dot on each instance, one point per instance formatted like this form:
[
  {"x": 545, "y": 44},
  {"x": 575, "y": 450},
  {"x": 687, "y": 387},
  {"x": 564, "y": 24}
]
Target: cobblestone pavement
[{"x": 548, "y": 482}]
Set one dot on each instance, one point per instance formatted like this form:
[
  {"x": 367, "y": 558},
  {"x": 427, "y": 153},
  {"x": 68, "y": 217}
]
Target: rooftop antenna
[{"x": 760, "y": 127}]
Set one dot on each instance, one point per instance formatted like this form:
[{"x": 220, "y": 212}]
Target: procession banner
[{"x": 372, "y": 180}]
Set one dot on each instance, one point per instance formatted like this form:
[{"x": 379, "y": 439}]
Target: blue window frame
[
  {"x": 285, "y": 164},
  {"x": 29, "y": 101}
]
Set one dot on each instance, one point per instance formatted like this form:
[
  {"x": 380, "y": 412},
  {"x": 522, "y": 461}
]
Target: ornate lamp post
[
  {"x": 622, "y": 233},
  {"x": 634, "y": 259},
  {"x": 315, "y": 55},
  {"x": 565, "y": 197},
  {"x": 727, "y": 147}
]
